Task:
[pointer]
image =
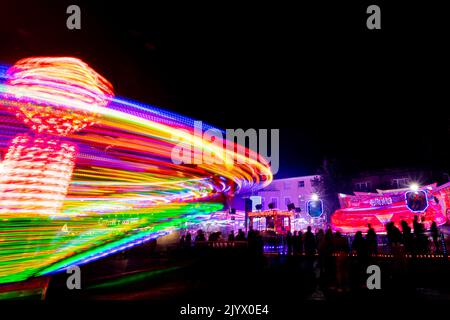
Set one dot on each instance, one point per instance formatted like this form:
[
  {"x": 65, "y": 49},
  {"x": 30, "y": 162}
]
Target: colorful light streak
[
  {"x": 36, "y": 175},
  {"x": 56, "y": 95},
  {"x": 124, "y": 188}
]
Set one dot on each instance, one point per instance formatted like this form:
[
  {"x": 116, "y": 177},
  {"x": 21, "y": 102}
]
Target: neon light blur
[
  {"x": 36, "y": 175},
  {"x": 124, "y": 188},
  {"x": 57, "y": 95}
]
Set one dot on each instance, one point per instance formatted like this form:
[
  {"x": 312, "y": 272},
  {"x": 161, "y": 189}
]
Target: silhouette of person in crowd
[
  {"x": 359, "y": 245},
  {"x": 394, "y": 236},
  {"x": 329, "y": 242},
  {"x": 200, "y": 236},
  {"x": 251, "y": 238},
  {"x": 309, "y": 242},
  {"x": 183, "y": 241},
  {"x": 299, "y": 242},
  {"x": 321, "y": 249},
  {"x": 421, "y": 240},
  {"x": 358, "y": 272},
  {"x": 416, "y": 225},
  {"x": 231, "y": 236},
  {"x": 251, "y": 234},
  {"x": 435, "y": 235},
  {"x": 340, "y": 243},
  {"x": 188, "y": 239},
  {"x": 341, "y": 247},
  {"x": 371, "y": 240},
  {"x": 289, "y": 242},
  {"x": 407, "y": 236},
  {"x": 240, "y": 236},
  {"x": 215, "y": 236},
  {"x": 294, "y": 242},
  {"x": 320, "y": 237}
]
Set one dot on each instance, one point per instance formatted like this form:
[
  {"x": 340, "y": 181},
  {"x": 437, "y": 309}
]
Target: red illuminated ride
[{"x": 377, "y": 209}]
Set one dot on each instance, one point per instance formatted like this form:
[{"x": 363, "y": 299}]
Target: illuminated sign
[
  {"x": 378, "y": 202},
  {"x": 314, "y": 208},
  {"x": 416, "y": 201}
]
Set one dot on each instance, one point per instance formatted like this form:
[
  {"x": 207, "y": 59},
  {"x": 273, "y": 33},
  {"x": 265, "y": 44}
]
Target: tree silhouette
[{"x": 332, "y": 181}]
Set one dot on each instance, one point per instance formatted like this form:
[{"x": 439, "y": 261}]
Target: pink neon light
[{"x": 36, "y": 174}]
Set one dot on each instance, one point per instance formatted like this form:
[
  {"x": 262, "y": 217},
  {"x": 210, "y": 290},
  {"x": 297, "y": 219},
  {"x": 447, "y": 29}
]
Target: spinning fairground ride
[{"x": 85, "y": 174}]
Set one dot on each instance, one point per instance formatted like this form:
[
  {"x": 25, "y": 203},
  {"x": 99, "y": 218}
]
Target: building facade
[
  {"x": 282, "y": 192},
  {"x": 390, "y": 179}
]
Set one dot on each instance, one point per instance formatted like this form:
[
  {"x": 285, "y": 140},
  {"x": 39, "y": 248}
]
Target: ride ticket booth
[{"x": 276, "y": 221}]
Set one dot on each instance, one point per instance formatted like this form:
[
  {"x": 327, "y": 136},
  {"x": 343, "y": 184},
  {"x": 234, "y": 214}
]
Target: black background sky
[{"x": 372, "y": 99}]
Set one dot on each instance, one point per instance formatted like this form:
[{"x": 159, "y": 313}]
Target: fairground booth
[{"x": 271, "y": 220}]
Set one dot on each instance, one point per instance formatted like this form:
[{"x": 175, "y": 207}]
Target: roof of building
[{"x": 297, "y": 178}]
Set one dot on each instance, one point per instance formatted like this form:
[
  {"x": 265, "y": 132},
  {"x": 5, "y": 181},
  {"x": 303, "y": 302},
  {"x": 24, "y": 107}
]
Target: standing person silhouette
[
  {"x": 309, "y": 242},
  {"x": 188, "y": 239},
  {"x": 435, "y": 235},
  {"x": 371, "y": 240},
  {"x": 289, "y": 243}
]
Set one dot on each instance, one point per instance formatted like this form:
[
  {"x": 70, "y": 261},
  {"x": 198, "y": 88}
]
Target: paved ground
[
  {"x": 218, "y": 275},
  {"x": 145, "y": 282}
]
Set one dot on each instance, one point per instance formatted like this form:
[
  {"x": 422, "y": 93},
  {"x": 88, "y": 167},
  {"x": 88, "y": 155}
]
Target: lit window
[
  {"x": 274, "y": 201},
  {"x": 287, "y": 201}
]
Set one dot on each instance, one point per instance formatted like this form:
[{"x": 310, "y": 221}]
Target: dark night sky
[{"x": 370, "y": 99}]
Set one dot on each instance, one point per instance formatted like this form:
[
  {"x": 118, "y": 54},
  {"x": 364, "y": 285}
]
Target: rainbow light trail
[{"x": 124, "y": 188}]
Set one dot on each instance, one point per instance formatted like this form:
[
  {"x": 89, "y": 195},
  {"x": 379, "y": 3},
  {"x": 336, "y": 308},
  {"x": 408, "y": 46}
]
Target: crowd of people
[
  {"x": 335, "y": 261},
  {"x": 410, "y": 240},
  {"x": 413, "y": 240},
  {"x": 200, "y": 237},
  {"x": 310, "y": 243}
]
